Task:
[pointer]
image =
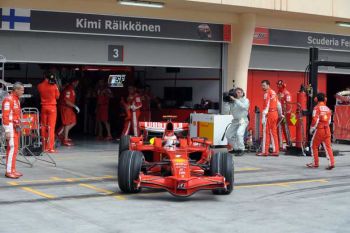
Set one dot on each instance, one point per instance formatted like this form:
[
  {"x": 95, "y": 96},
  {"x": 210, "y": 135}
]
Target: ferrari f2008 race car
[{"x": 180, "y": 165}]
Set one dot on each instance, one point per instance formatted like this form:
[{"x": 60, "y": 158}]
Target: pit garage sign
[
  {"x": 298, "y": 39},
  {"x": 65, "y": 22}
]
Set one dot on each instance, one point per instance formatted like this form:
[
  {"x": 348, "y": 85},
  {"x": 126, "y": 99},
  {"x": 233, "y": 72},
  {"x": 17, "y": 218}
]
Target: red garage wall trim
[{"x": 293, "y": 80}]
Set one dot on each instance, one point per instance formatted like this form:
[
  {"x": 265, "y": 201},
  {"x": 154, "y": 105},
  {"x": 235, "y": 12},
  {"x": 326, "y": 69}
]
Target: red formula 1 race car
[{"x": 182, "y": 166}]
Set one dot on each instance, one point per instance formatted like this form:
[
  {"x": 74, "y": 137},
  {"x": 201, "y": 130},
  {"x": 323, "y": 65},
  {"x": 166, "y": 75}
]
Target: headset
[{"x": 320, "y": 96}]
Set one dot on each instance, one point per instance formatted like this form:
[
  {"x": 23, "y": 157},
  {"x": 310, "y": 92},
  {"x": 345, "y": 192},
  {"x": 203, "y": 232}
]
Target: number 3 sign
[{"x": 115, "y": 53}]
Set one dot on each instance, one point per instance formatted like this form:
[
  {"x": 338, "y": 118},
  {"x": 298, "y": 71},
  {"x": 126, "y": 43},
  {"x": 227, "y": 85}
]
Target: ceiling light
[
  {"x": 141, "y": 3},
  {"x": 343, "y": 24}
]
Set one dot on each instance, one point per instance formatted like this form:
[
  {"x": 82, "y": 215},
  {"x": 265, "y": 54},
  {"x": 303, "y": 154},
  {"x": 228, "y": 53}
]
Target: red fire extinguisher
[{"x": 302, "y": 107}]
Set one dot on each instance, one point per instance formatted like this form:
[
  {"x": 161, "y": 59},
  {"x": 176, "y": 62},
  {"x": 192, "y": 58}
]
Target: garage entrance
[
  {"x": 177, "y": 91},
  {"x": 336, "y": 83}
]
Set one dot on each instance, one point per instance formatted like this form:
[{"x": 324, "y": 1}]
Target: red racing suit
[
  {"x": 133, "y": 105},
  {"x": 269, "y": 122},
  {"x": 321, "y": 118},
  {"x": 103, "y": 97},
  {"x": 285, "y": 99},
  {"x": 49, "y": 93},
  {"x": 68, "y": 115},
  {"x": 146, "y": 107},
  {"x": 11, "y": 116}
]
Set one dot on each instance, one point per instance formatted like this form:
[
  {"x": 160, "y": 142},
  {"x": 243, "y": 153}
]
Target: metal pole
[
  {"x": 313, "y": 82},
  {"x": 313, "y": 75}
]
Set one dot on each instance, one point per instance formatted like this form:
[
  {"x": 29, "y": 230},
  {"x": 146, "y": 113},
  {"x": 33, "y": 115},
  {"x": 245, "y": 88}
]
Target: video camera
[
  {"x": 226, "y": 96},
  {"x": 51, "y": 77}
]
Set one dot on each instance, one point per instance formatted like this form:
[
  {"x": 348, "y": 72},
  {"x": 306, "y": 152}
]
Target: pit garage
[
  {"x": 173, "y": 61},
  {"x": 79, "y": 192}
]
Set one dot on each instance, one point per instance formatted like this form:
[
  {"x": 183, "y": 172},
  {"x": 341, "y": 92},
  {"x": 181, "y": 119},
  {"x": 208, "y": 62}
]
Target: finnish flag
[{"x": 15, "y": 19}]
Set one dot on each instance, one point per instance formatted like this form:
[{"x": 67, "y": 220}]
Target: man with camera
[
  {"x": 238, "y": 107},
  {"x": 49, "y": 95}
]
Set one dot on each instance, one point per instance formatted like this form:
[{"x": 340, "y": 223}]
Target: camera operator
[
  {"x": 238, "y": 107},
  {"x": 49, "y": 95}
]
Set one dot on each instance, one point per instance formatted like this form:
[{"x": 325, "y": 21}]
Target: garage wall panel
[
  {"x": 293, "y": 59},
  {"x": 93, "y": 49}
]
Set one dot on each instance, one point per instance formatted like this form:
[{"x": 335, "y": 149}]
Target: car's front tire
[
  {"x": 129, "y": 169},
  {"x": 222, "y": 163}
]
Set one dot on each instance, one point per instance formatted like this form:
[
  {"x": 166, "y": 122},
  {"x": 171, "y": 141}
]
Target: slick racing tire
[
  {"x": 222, "y": 163},
  {"x": 129, "y": 169},
  {"x": 123, "y": 145}
]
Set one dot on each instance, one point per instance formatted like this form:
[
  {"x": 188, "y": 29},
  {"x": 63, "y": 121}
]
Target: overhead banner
[
  {"x": 48, "y": 21},
  {"x": 276, "y": 37}
]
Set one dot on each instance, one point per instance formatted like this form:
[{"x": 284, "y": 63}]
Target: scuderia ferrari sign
[
  {"x": 65, "y": 22},
  {"x": 298, "y": 39}
]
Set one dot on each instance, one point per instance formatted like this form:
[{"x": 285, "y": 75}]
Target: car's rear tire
[
  {"x": 123, "y": 145},
  {"x": 129, "y": 169},
  {"x": 222, "y": 163}
]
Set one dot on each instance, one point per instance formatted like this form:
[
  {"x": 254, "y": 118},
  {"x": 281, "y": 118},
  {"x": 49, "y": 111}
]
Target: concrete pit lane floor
[{"x": 273, "y": 194}]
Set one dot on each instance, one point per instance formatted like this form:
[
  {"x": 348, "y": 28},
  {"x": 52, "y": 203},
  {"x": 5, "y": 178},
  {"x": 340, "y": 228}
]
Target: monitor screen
[
  {"x": 178, "y": 93},
  {"x": 116, "y": 80}
]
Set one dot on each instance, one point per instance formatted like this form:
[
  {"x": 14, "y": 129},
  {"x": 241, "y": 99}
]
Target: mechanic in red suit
[
  {"x": 132, "y": 106},
  {"x": 11, "y": 116},
  {"x": 285, "y": 99},
  {"x": 321, "y": 132},
  {"x": 103, "y": 95},
  {"x": 147, "y": 97},
  {"x": 68, "y": 111},
  {"x": 49, "y": 95},
  {"x": 271, "y": 111}
]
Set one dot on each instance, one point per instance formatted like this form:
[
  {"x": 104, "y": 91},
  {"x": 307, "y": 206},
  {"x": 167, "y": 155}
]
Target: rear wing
[{"x": 159, "y": 127}]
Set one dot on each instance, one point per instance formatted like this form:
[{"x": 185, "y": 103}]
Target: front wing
[{"x": 182, "y": 187}]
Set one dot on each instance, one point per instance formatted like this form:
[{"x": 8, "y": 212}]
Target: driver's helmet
[
  {"x": 169, "y": 136},
  {"x": 170, "y": 140}
]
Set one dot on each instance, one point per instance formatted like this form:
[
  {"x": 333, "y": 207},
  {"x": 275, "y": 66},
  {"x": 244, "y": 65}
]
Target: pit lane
[{"x": 82, "y": 195}]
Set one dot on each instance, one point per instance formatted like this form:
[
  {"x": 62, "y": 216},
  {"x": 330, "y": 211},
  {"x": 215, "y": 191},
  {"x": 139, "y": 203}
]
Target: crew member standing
[
  {"x": 132, "y": 106},
  {"x": 68, "y": 111},
  {"x": 49, "y": 95},
  {"x": 239, "y": 107},
  {"x": 270, "y": 113},
  {"x": 147, "y": 97},
  {"x": 321, "y": 118},
  {"x": 103, "y": 96},
  {"x": 11, "y": 116},
  {"x": 285, "y": 99}
]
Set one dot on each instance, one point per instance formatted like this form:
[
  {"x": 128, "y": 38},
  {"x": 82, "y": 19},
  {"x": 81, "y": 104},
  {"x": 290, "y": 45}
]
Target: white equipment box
[{"x": 210, "y": 126}]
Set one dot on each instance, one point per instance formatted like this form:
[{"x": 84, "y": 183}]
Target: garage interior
[{"x": 199, "y": 89}]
